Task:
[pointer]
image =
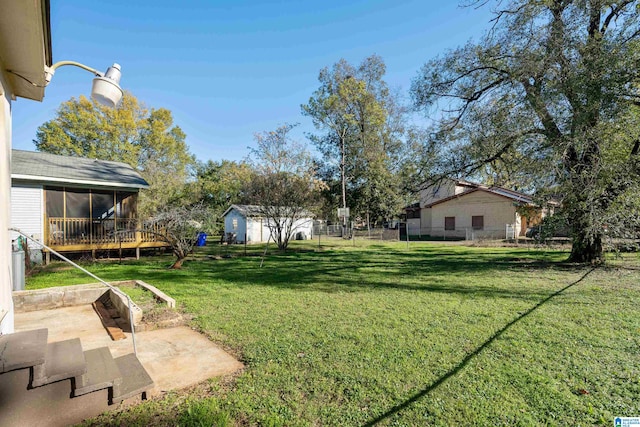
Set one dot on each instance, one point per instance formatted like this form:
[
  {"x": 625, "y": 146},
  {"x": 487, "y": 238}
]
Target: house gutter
[{"x": 47, "y": 179}]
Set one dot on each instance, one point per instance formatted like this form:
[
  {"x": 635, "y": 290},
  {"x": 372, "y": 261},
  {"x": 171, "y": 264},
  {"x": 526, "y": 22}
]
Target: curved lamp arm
[
  {"x": 106, "y": 86},
  {"x": 50, "y": 71}
]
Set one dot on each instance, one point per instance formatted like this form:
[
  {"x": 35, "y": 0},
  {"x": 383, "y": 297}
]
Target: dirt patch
[{"x": 158, "y": 316}]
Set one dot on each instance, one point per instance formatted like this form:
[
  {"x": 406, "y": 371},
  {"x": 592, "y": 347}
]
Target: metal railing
[{"x": 113, "y": 288}]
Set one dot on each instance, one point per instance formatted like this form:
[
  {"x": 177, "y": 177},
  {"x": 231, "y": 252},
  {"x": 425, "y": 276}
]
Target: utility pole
[{"x": 344, "y": 182}]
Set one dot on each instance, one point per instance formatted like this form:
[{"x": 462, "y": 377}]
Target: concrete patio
[{"x": 174, "y": 357}]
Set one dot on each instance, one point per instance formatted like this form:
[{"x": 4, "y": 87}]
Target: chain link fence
[{"x": 338, "y": 231}]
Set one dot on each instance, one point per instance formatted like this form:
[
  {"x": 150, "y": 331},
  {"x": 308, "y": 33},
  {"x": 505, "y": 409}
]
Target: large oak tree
[
  {"x": 145, "y": 139},
  {"x": 553, "y": 84}
]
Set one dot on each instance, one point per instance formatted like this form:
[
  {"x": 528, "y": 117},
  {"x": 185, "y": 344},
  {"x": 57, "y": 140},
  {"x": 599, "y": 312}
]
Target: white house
[
  {"x": 25, "y": 51},
  {"x": 247, "y": 223}
]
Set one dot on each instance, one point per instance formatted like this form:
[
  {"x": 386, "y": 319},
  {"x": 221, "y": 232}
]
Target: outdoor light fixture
[{"x": 106, "y": 89}]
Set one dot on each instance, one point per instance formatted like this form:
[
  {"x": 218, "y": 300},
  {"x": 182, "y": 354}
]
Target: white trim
[{"x": 46, "y": 179}]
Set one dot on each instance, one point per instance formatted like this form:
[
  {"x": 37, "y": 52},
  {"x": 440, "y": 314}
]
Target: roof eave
[
  {"x": 45, "y": 179},
  {"x": 25, "y": 32},
  {"x": 485, "y": 190}
]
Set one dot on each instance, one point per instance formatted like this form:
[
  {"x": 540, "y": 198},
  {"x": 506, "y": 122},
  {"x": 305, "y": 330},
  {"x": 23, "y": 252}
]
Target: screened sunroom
[
  {"x": 77, "y": 216},
  {"x": 78, "y": 204}
]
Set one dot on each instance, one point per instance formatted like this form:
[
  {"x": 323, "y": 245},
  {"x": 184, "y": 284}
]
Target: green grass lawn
[{"x": 384, "y": 334}]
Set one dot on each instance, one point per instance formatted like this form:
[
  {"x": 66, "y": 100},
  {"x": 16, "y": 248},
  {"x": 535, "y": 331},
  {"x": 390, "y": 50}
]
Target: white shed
[{"x": 246, "y": 222}]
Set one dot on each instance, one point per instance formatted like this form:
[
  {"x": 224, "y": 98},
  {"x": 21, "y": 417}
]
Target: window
[
  {"x": 235, "y": 223},
  {"x": 102, "y": 205},
  {"x": 449, "y": 222},
  {"x": 477, "y": 222},
  {"x": 77, "y": 203},
  {"x": 55, "y": 202}
]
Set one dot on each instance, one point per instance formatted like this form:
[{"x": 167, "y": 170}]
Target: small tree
[
  {"x": 179, "y": 227},
  {"x": 283, "y": 200},
  {"x": 284, "y": 184}
]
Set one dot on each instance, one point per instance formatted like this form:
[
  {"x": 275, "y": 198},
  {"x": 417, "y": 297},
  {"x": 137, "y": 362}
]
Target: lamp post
[{"x": 106, "y": 86}]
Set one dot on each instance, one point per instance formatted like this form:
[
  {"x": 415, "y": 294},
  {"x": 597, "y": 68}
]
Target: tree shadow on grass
[
  {"x": 424, "y": 393},
  {"x": 433, "y": 270},
  {"x": 462, "y": 271}
]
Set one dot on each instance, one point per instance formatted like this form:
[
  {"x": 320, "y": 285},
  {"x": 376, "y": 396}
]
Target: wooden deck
[{"x": 83, "y": 234}]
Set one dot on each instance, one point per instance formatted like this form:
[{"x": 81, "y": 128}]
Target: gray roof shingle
[
  {"x": 248, "y": 211},
  {"x": 45, "y": 167}
]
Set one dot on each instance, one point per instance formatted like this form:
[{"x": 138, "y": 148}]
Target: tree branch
[
  {"x": 552, "y": 131},
  {"x": 614, "y": 13}
]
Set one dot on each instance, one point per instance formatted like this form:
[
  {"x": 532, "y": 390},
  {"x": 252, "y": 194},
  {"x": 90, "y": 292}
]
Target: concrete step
[
  {"x": 48, "y": 406},
  {"x": 63, "y": 360},
  {"x": 102, "y": 372},
  {"x": 135, "y": 379},
  {"x": 23, "y": 349}
]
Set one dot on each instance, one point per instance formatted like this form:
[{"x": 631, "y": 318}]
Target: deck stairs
[{"x": 59, "y": 383}]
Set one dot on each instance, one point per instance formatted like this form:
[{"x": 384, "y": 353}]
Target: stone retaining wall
[
  {"x": 67, "y": 296},
  {"x": 58, "y": 297}
]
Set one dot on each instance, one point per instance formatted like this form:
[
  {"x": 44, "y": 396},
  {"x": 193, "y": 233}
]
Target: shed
[{"x": 247, "y": 223}]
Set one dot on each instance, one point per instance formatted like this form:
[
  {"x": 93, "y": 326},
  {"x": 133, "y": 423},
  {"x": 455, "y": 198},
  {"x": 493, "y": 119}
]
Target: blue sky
[{"x": 228, "y": 69}]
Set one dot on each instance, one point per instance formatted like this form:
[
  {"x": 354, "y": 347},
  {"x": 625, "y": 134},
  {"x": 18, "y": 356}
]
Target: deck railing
[{"x": 85, "y": 231}]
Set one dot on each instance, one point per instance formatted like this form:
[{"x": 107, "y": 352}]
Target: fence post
[
  {"x": 406, "y": 230},
  {"x": 245, "y": 244},
  {"x": 353, "y": 234}
]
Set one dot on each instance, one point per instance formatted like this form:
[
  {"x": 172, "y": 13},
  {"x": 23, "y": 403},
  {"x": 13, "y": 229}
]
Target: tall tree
[
  {"x": 146, "y": 140},
  {"x": 362, "y": 125},
  {"x": 550, "y": 82},
  {"x": 163, "y": 160},
  {"x": 85, "y": 128},
  {"x": 284, "y": 184}
]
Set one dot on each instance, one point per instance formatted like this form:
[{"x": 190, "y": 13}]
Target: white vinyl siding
[
  {"x": 235, "y": 223},
  {"x": 26, "y": 211},
  {"x": 257, "y": 228}
]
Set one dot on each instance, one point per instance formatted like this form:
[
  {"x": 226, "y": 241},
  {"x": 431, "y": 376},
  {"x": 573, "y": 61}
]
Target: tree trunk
[
  {"x": 583, "y": 211},
  {"x": 178, "y": 264},
  {"x": 586, "y": 249}
]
